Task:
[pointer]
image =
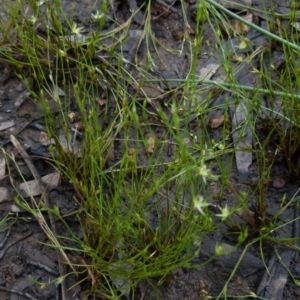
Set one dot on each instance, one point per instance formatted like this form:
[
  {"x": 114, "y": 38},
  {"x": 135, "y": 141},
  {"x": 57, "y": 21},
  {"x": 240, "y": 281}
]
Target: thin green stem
[{"x": 253, "y": 26}]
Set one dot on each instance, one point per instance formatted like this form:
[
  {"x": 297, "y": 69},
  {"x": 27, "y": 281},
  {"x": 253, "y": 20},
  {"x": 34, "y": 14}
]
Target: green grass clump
[
  {"x": 138, "y": 217},
  {"x": 142, "y": 193}
]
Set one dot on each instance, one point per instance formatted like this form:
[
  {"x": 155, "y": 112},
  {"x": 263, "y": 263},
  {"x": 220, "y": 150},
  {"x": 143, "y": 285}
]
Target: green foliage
[{"x": 142, "y": 219}]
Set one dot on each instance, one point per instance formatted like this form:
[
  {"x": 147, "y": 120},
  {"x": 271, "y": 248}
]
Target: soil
[{"x": 28, "y": 261}]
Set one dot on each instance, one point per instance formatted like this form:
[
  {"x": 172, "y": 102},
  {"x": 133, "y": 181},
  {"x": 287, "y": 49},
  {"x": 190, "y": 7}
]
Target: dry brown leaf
[
  {"x": 150, "y": 145},
  {"x": 240, "y": 27},
  {"x": 160, "y": 10},
  {"x": 216, "y": 122},
  {"x": 190, "y": 30},
  {"x": 178, "y": 35},
  {"x": 152, "y": 91},
  {"x": 44, "y": 138},
  {"x": 101, "y": 101},
  {"x": 279, "y": 182}
]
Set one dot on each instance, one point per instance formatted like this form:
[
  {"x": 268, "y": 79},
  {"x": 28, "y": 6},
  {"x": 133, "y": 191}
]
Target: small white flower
[
  {"x": 199, "y": 203},
  {"x": 204, "y": 173},
  {"x": 225, "y": 213},
  {"x": 33, "y": 19},
  {"x": 76, "y": 30},
  {"x": 97, "y": 15},
  {"x": 41, "y": 2}
]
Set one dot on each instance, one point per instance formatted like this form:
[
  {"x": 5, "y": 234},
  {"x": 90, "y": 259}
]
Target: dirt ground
[{"x": 25, "y": 260}]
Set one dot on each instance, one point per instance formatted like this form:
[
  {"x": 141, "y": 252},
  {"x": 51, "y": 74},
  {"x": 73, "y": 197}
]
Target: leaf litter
[{"x": 241, "y": 135}]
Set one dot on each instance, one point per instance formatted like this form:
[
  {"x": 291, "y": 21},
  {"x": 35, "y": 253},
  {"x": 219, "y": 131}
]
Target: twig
[
  {"x": 168, "y": 6},
  {"x": 37, "y": 177},
  {"x": 41, "y": 266},
  {"x": 275, "y": 37},
  {"x": 6, "y": 247},
  {"x": 89, "y": 272},
  {"x": 17, "y": 293},
  {"x": 6, "y": 237}
]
